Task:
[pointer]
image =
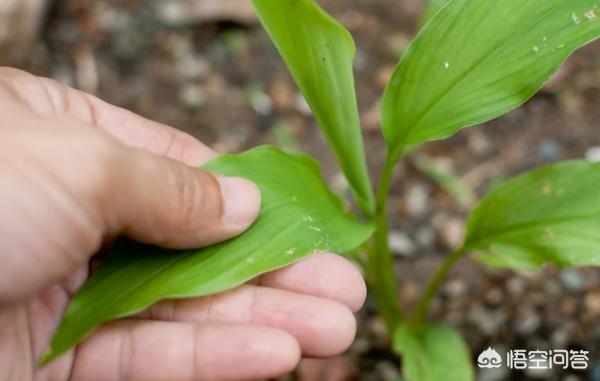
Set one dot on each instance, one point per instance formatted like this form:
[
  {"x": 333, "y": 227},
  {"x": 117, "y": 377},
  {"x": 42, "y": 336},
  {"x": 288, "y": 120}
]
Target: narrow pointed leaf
[
  {"x": 299, "y": 216},
  {"x": 433, "y": 353},
  {"x": 551, "y": 214},
  {"x": 319, "y": 52},
  {"x": 478, "y": 59}
]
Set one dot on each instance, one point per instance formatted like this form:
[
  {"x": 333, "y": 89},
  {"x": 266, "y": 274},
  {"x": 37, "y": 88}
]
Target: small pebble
[
  {"x": 479, "y": 143},
  {"x": 451, "y": 233},
  {"x": 572, "y": 280},
  {"x": 516, "y": 286},
  {"x": 378, "y": 332},
  {"x": 192, "y": 95},
  {"x": 417, "y": 200},
  {"x": 568, "y": 306},
  {"x": 456, "y": 288},
  {"x": 410, "y": 291},
  {"x": 593, "y": 154},
  {"x": 528, "y": 321},
  {"x": 425, "y": 236},
  {"x": 592, "y": 303},
  {"x": 339, "y": 183},
  {"x": 488, "y": 321},
  {"x": 193, "y": 67},
  {"x": 360, "y": 346},
  {"x": 387, "y": 371},
  {"x": 259, "y": 100},
  {"x": 540, "y": 374},
  {"x": 594, "y": 372},
  {"x": 562, "y": 335},
  {"x": 401, "y": 244},
  {"x": 549, "y": 150},
  {"x": 494, "y": 296}
]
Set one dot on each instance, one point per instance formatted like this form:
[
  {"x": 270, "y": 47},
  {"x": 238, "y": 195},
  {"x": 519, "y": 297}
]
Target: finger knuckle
[
  {"x": 190, "y": 198},
  {"x": 104, "y": 166},
  {"x": 42, "y": 95},
  {"x": 179, "y": 146},
  {"x": 14, "y": 81}
]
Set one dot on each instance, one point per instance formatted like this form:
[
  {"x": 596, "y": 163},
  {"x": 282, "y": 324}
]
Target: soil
[{"x": 220, "y": 79}]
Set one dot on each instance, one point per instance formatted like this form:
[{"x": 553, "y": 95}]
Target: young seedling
[{"x": 474, "y": 60}]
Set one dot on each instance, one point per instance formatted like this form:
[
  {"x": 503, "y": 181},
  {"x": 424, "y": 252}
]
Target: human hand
[{"x": 76, "y": 171}]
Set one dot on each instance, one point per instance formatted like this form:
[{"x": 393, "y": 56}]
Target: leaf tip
[{"x": 47, "y": 356}]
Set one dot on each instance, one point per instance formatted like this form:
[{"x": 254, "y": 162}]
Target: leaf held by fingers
[{"x": 299, "y": 216}]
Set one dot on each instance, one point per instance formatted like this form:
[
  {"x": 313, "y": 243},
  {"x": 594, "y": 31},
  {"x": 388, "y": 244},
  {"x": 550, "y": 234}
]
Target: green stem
[
  {"x": 366, "y": 208},
  {"x": 432, "y": 288},
  {"x": 380, "y": 273}
]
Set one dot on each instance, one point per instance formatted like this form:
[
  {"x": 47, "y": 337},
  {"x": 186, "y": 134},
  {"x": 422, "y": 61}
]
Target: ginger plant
[{"x": 473, "y": 61}]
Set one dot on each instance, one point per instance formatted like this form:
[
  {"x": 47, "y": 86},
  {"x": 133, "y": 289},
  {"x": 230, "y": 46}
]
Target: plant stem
[
  {"x": 432, "y": 288},
  {"x": 365, "y": 208},
  {"x": 380, "y": 272}
]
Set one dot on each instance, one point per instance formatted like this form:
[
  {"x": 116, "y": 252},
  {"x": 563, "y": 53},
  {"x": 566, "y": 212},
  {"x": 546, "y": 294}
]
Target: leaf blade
[
  {"x": 467, "y": 66},
  {"x": 433, "y": 352},
  {"x": 550, "y": 214},
  {"x": 299, "y": 215},
  {"x": 319, "y": 52}
]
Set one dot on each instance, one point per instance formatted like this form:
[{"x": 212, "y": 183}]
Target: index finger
[{"x": 134, "y": 130}]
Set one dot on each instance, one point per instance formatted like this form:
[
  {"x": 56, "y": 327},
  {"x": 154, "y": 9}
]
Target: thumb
[
  {"x": 164, "y": 202},
  {"x": 56, "y": 212}
]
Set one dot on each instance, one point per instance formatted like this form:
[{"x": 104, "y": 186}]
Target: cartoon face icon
[{"x": 489, "y": 359}]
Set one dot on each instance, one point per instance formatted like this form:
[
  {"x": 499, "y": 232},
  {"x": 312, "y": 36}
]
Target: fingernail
[{"x": 241, "y": 200}]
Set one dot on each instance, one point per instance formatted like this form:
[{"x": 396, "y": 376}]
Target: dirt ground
[{"x": 208, "y": 68}]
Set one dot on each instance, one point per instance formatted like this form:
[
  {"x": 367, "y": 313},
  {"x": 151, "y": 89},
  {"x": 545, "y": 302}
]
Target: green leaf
[
  {"x": 478, "y": 59},
  {"x": 319, "y": 52},
  {"x": 299, "y": 216},
  {"x": 433, "y": 353},
  {"x": 551, "y": 214}
]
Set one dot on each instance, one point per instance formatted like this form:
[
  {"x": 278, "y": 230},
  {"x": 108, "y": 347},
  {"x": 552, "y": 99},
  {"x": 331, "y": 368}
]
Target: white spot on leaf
[{"x": 591, "y": 15}]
